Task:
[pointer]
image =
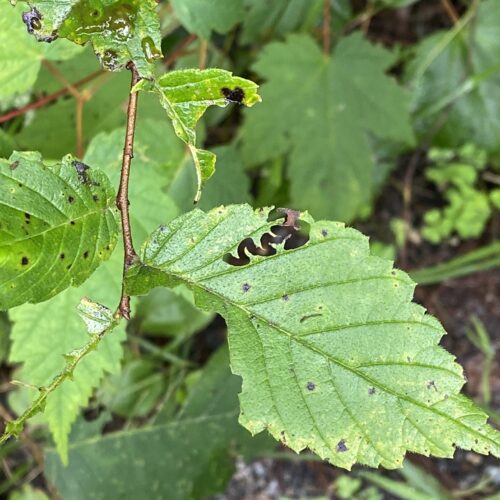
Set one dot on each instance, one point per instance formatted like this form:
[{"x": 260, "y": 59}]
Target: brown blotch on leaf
[
  {"x": 341, "y": 446},
  {"x": 290, "y": 232},
  {"x": 310, "y": 316},
  {"x": 236, "y": 95},
  {"x": 431, "y": 385}
]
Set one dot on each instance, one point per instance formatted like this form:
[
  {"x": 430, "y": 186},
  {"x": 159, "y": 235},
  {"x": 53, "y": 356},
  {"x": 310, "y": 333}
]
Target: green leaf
[
  {"x": 187, "y": 94},
  {"x": 58, "y": 225},
  {"x": 333, "y": 354},
  {"x": 167, "y": 313},
  {"x": 229, "y": 184},
  {"x": 20, "y": 55},
  {"x": 187, "y": 458},
  {"x": 42, "y": 355},
  {"x": 320, "y": 111},
  {"x": 119, "y": 30},
  {"x": 277, "y": 18},
  {"x": 461, "y": 86},
  {"x": 202, "y": 17}
]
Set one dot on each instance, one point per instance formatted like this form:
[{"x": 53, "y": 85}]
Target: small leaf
[
  {"x": 97, "y": 318},
  {"x": 120, "y": 31},
  {"x": 57, "y": 225},
  {"x": 333, "y": 354},
  {"x": 187, "y": 94}
]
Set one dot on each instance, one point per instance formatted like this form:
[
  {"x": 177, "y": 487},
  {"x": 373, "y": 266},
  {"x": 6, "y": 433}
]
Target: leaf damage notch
[{"x": 293, "y": 232}]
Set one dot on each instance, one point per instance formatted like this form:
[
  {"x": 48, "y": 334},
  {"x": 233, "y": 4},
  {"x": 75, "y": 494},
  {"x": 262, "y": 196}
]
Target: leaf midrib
[{"x": 331, "y": 359}]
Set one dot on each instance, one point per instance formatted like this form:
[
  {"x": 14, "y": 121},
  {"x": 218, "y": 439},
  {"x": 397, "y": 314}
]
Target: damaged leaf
[
  {"x": 334, "y": 355},
  {"x": 57, "y": 224},
  {"x": 119, "y": 30},
  {"x": 187, "y": 94}
]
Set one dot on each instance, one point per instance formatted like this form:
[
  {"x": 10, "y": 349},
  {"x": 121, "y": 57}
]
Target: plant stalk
[{"x": 122, "y": 201}]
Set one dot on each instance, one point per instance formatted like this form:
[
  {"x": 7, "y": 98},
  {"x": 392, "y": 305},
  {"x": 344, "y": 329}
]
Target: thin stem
[
  {"x": 43, "y": 101},
  {"x": 450, "y": 10},
  {"x": 60, "y": 78},
  {"x": 122, "y": 201},
  {"x": 202, "y": 57},
  {"x": 80, "y": 103},
  {"x": 15, "y": 427},
  {"x": 327, "y": 26},
  {"x": 179, "y": 51}
]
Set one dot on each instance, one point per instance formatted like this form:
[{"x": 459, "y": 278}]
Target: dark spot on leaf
[
  {"x": 27, "y": 218},
  {"x": 86, "y": 254},
  {"x": 286, "y": 298},
  {"x": 72, "y": 222},
  {"x": 71, "y": 199},
  {"x": 236, "y": 95},
  {"x": 62, "y": 256},
  {"x": 14, "y": 165},
  {"x": 109, "y": 59},
  {"x": 246, "y": 287},
  {"x": 311, "y": 386},
  {"x": 20, "y": 185},
  {"x": 431, "y": 385},
  {"x": 324, "y": 232},
  {"x": 32, "y": 20},
  {"x": 341, "y": 446},
  {"x": 95, "y": 198},
  {"x": 25, "y": 261},
  {"x": 310, "y": 316},
  {"x": 81, "y": 170},
  {"x": 290, "y": 232},
  {"x": 371, "y": 391},
  {"x": 68, "y": 267}
]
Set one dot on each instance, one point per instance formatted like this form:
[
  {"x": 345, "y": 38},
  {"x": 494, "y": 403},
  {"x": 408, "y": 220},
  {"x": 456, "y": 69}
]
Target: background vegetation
[{"x": 384, "y": 114}]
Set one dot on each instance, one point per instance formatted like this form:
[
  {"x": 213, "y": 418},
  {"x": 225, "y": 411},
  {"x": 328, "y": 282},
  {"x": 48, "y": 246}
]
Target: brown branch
[
  {"x": 202, "y": 56},
  {"x": 80, "y": 103},
  {"x": 122, "y": 201},
  {"x": 43, "y": 101},
  {"x": 327, "y": 26},
  {"x": 179, "y": 50},
  {"x": 450, "y": 10}
]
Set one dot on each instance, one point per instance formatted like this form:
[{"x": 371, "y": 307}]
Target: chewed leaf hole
[{"x": 293, "y": 232}]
